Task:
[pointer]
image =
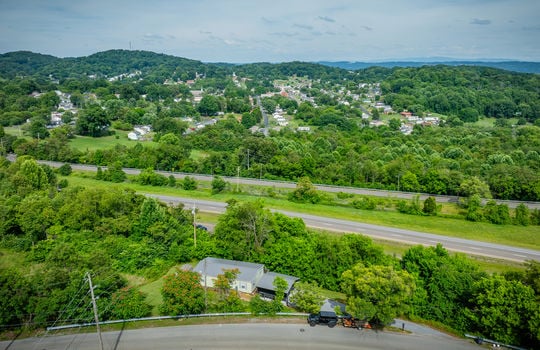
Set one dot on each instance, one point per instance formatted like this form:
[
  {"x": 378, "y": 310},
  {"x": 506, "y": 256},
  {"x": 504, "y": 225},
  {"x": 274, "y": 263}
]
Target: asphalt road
[
  {"x": 289, "y": 184},
  {"x": 382, "y": 232},
  {"x": 246, "y": 336}
]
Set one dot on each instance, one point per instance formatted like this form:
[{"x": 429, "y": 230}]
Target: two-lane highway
[
  {"x": 471, "y": 247},
  {"x": 246, "y": 336}
]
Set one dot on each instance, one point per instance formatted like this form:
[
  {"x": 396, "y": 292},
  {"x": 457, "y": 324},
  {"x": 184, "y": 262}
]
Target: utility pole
[
  {"x": 94, "y": 306},
  {"x": 248, "y": 159},
  {"x": 205, "y": 302},
  {"x": 193, "y": 211},
  {"x": 237, "y": 178}
]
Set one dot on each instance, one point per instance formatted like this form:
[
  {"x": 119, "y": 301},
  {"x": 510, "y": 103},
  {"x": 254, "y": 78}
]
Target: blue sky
[{"x": 277, "y": 30}]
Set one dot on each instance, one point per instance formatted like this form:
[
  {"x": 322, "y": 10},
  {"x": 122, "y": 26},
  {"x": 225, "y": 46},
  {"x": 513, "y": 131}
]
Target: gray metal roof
[
  {"x": 215, "y": 266},
  {"x": 267, "y": 281}
]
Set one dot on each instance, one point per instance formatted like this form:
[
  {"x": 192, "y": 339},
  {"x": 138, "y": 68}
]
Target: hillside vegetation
[{"x": 419, "y": 129}]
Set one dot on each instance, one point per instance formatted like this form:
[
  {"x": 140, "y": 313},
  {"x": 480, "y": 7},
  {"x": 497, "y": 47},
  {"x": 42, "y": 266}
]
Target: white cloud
[
  {"x": 480, "y": 21},
  {"x": 247, "y": 31}
]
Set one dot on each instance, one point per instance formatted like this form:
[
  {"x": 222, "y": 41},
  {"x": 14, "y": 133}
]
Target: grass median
[{"x": 511, "y": 235}]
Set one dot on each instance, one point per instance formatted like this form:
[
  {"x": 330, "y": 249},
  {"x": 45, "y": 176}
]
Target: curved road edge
[{"x": 466, "y": 246}]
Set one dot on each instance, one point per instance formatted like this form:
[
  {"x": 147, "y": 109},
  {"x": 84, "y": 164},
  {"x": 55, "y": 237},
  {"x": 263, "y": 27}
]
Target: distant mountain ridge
[
  {"x": 514, "y": 66},
  {"x": 115, "y": 62}
]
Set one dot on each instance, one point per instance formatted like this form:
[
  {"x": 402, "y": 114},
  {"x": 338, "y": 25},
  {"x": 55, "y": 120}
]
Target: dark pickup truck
[{"x": 323, "y": 317}]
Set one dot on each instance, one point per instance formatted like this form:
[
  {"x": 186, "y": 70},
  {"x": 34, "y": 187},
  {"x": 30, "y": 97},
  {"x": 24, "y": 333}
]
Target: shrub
[
  {"x": 522, "y": 215},
  {"x": 305, "y": 192},
  {"x": 65, "y": 170},
  {"x": 218, "y": 185},
  {"x": 189, "y": 183},
  {"x": 150, "y": 177},
  {"x": 365, "y": 203},
  {"x": 430, "y": 206},
  {"x": 129, "y": 303}
]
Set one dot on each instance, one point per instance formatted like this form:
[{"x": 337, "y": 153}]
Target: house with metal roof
[
  {"x": 265, "y": 287},
  {"x": 252, "y": 277},
  {"x": 249, "y": 273}
]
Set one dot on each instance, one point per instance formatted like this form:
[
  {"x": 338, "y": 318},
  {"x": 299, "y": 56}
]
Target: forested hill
[
  {"x": 514, "y": 66},
  {"x": 107, "y": 63},
  {"x": 116, "y": 62}
]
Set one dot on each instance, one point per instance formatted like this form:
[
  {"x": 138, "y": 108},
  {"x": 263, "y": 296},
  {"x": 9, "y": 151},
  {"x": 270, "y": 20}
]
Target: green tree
[
  {"x": 218, "y": 185},
  {"x": 65, "y": 170},
  {"x": 259, "y": 306},
  {"x": 522, "y": 215},
  {"x": 209, "y": 105},
  {"x": 394, "y": 124},
  {"x": 243, "y": 230},
  {"x": 189, "y": 183},
  {"x": 129, "y": 303},
  {"x": 474, "y": 208},
  {"x": 15, "y": 293},
  {"x": 474, "y": 185},
  {"x": 280, "y": 287},
  {"x": 377, "y": 293},
  {"x": 409, "y": 182},
  {"x": 169, "y": 139},
  {"x": 171, "y": 181},
  {"x": 307, "y": 297},
  {"x": 35, "y": 215},
  {"x": 430, "y": 206},
  {"x": 114, "y": 173},
  {"x": 38, "y": 128},
  {"x": 505, "y": 311},
  {"x": 248, "y": 120},
  {"x": 31, "y": 175},
  {"x": 375, "y": 114},
  {"x": 229, "y": 300},
  {"x": 305, "y": 192},
  {"x": 444, "y": 284},
  {"x": 92, "y": 121},
  {"x": 182, "y": 294}
]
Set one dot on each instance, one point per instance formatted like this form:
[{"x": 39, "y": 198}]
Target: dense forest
[{"x": 204, "y": 119}]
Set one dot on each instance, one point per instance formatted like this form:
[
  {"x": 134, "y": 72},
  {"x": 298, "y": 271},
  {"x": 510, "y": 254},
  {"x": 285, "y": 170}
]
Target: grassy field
[
  {"x": 15, "y": 131},
  {"x": 519, "y": 236},
  {"x": 87, "y": 143}
]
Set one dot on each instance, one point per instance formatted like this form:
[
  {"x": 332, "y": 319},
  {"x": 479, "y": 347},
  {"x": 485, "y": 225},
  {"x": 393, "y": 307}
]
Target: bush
[
  {"x": 150, "y": 177},
  {"x": 120, "y": 125},
  {"x": 305, "y": 192},
  {"x": 63, "y": 183},
  {"x": 65, "y": 170},
  {"x": 258, "y": 306},
  {"x": 172, "y": 181},
  {"x": 496, "y": 214},
  {"x": 189, "y": 183},
  {"x": 413, "y": 207},
  {"x": 365, "y": 203},
  {"x": 522, "y": 215},
  {"x": 430, "y": 206},
  {"x": 182, "y": 294},
  {"x": 344, "y": 195},
  {"x": 129, "y": 303},
  {"x": 218, "y": 185}
]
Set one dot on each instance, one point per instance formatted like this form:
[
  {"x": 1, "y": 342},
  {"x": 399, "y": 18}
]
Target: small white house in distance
[{"x": 250, "y": 273}]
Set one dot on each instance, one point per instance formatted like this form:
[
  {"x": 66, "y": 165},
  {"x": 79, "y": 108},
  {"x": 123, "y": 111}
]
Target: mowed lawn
[{"x": 87, "y": 143}]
